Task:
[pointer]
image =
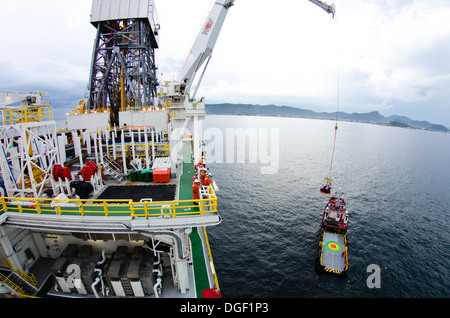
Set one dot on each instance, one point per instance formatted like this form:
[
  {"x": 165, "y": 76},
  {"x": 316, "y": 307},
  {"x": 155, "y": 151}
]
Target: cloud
[
  {"x": 388, "y": 54},
  {"x": 44, "y": 72},
  {"x": 391, "y": 55},
  {"x": 393, "y": 47}
]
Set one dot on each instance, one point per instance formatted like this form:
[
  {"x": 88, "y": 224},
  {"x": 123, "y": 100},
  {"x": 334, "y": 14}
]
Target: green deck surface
[{"x": 185, "y": 193}]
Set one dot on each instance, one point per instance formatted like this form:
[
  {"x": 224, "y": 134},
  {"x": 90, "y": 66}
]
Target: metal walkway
[{"x": 198, "y": 254}]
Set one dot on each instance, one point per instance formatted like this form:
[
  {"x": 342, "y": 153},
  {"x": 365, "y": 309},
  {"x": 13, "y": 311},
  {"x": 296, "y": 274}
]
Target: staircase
[
  {"x": 19, "y": 282},
  {"x": 112, "y": 168},
  {"x": 18, "y": 285}
]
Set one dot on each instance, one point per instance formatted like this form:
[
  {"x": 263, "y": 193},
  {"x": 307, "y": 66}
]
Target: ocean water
[{"x": 396, "y": 184}]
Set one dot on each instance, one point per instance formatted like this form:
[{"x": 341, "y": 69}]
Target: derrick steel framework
[
  {"x": 28, "y": 152},
  {"x": 123, "y": 70}
]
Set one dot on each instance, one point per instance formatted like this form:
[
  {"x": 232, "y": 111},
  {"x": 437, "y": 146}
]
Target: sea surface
[{"x": 396, "y": 183}]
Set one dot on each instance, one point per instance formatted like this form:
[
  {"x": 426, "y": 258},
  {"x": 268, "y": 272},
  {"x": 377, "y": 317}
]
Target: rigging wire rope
[{"x": 337, "y": 94}]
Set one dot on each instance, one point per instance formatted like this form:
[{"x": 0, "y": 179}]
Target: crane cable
[
  {"x": 334, "y": 146},
  {"x": 337, "y": 94}
]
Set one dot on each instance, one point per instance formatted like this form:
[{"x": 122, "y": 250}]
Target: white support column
[
  {"x": 114, "y": 135},
  {"x": 26, "y": 136},
  {"x": 77, "y": 147},
  {"x": 7, "y": 174},
  {"x": 147, "y": 159},
  {"x": 196, "y": 139},
  {"x": 62, "y": 147},
  {"x": 100, "y": 147},
  {"x": 8, "y": 249},
  {"x": 153, "y": 144},
  {"x": 132, "y": 144},
  {"x": 183, "y": 279},
  {"x": 124, "y": 157},
  {"x": 88, "y": 142},
  {"x": 106, "y": 134},
  {"x": 94, "y": 136},
  {"x": 181, "y": 265}
]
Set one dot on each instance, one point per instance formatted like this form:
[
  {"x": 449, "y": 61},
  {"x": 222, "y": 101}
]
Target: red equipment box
[{"x": 161, "y": 175}]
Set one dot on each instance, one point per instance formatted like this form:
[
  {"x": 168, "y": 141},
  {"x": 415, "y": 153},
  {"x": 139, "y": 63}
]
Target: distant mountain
[{"x": 288, "y": 111}]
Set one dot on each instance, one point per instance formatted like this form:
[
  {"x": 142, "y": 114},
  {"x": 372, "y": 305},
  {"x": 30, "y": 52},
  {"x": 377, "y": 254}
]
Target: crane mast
[
  {"x": 179, "y": 92},
  {"x": 329, "y": 8},
  {"x": 192, "y": 111},
  {"x": 203, "y": 46}
]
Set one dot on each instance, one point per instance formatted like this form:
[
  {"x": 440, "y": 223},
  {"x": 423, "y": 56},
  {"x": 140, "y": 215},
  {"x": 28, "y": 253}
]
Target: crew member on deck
[
  {"x": 202, "y": 175},
  {"x": 196, "y": 191},
  {"x": 206, "y": 181},
  {"x": 102, "y": 171},
  {"x": 199, "y": 165}
]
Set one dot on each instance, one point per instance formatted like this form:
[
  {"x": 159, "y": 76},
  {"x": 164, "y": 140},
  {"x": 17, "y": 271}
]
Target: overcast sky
[{"x": 393, "y": 56}]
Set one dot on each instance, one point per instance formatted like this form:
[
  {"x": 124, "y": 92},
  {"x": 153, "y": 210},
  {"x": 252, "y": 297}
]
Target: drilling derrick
[{"x": 123, "y": 71}]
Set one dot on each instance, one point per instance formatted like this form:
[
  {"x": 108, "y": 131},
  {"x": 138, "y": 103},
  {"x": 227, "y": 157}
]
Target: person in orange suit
[
  {"x": 199, "y": 165},
  {"x": 206, "y": 181},
  {"x": 102, "y": 171},
  {"x": 202, "y": 175},
  {"x": 196, "y": 191}
]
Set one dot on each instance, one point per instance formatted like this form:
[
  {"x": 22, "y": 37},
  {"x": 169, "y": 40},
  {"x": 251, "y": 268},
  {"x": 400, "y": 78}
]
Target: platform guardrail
[{"x": 110, "y": 208}]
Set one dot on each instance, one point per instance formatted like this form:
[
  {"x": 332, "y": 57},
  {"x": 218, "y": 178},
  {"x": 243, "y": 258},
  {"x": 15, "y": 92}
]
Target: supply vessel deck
[{"x": 332, "y": 256}]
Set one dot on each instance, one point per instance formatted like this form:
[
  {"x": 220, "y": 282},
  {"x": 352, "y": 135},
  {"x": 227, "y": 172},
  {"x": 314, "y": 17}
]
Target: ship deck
[
  {"x": 136, "y": 193},
  {"x": 201, "y": 271},
  {"x": 333, "y": 252}
]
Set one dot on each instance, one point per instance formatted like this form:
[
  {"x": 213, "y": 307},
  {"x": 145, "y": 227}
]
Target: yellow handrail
[
  {"x": 110, "y": 208},
  {"x": 19, "y": 291},
  {"x": 28, "y": 277},
  {"x": 216, "y": 281},
  {"x": 23, "y": 114}
]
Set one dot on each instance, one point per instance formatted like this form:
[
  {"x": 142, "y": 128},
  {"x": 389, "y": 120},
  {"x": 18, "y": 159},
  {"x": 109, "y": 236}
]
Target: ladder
[
  {"x": 112, "y": 168},
  {"x": 19, "y": 282},
  {"x": 18, "y": 285}
]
